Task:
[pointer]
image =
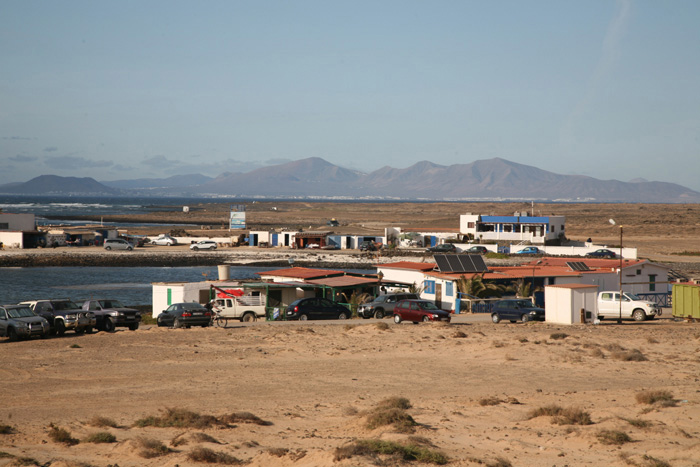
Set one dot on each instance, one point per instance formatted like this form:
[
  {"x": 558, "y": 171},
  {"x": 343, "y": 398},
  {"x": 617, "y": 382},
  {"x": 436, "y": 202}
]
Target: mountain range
[{"x": 492, "y": 179}]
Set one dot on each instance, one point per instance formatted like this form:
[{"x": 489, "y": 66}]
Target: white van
[{"x": 632, "y": 306}]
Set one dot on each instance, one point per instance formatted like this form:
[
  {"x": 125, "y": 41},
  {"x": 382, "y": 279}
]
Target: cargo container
[{"x": 686, "y": 300}]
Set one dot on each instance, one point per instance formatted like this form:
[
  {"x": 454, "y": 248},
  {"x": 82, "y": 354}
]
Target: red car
[{"x": 419, "y": 310}]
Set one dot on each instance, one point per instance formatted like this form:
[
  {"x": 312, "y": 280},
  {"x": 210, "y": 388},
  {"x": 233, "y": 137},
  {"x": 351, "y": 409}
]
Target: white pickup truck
[
  {"x": 245, "y": 307},
  {"x": 632, "y": 306}
]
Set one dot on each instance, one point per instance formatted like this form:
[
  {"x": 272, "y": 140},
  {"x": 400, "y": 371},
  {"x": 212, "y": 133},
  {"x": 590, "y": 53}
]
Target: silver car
[
  {"x": 20, "y": 322},
  {"x": 118, "y": 244}
]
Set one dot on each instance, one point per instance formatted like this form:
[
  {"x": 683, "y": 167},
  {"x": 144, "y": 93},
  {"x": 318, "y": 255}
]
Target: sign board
[{"x": 237, "y": 219}]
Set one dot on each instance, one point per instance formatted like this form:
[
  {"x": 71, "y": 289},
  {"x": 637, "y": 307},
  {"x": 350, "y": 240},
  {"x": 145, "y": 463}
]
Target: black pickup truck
[
  {"x": 62, "y": 315},
  {"x": 111, "y": 314}
]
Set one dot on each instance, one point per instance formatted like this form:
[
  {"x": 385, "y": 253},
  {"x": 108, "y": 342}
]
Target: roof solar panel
[
  {"x": 461, "y": 263},
  {"x": 578, "y": 266}
]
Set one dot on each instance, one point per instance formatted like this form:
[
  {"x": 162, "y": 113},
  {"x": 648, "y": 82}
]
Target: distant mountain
[
  {"x": 154, "y": 183},
  {"x": 493, "y": 179},
  {"x": 53, "y": 184}
]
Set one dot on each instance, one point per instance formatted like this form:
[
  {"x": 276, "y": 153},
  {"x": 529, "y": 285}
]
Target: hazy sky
[{"x": 133, "y": 89}]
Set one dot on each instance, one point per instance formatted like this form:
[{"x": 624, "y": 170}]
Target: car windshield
[
  {"x": 65, "y": 305},
  {"x": 429, "y": 306},
  {"x": 632, "y": 296},
  {"x": 191, "y": 306},
  {"x": 523, "y": 303},
  {"x": 20, "y": 312},
  {"x": 111, "y": 304}
]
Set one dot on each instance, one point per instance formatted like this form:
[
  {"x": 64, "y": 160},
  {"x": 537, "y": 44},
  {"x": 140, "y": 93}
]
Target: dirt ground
[{"x": 473, "y": 388}]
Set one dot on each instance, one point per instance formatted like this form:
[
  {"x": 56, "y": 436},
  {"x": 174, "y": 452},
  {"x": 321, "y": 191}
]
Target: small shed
[
  {"x": 570, "y": 303},
  {"x": 686, "y": 301}
]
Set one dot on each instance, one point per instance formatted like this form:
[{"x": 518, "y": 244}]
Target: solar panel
[
  {"x": 461, "y": 263},
  {"x": 578, "y": 266}
]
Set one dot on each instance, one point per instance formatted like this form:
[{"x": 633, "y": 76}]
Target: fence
[{"x": 663, "y": 299}]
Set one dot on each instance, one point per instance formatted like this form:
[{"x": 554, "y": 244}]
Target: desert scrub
[
  {"x": 459, "y": 335},
  {"x": 6, "y": 430},
  {"x": 395, "y": 403},
  {"x": 244, "y": 417},
  {"x": 201, "y": 454},
  {"x": 148, "y": 448},
  {"x": 662, "y": 398},
  {"x": 382, "y": 326},
  {"x": 178, "y": 418},
  {"x": 101, "y": 437},
  {"x": 61, "y": 435},
  {"x": 407, "y": 452},
  {"x": 558, "y": 335},
  {"x": 633, "y": 355},
  {"x": 561, "y": 416},
  {"x": 638, "y": 422},
  {"x": 486, "y": 401},
  {"x": 614, "y": 437},
  {"x": 391, "y": 411},
  {"x": 102, "y": 422}
]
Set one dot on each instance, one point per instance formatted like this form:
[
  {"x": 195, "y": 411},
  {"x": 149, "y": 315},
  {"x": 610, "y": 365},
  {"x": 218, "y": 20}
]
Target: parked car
[
  {"x": 419, "y": 310},
  {"x": 20, "y": 322},
  {"x": 442, "y": 248},
  {"x": 632, "y": 306},
  {"x": 164, "y": 240},
  {"x": 477, "y": 250},
  {"x": 368, "y": 245},
  {"x": 516, "y": 309},
  {"x": 111, "y": 314},
  {"x": 63, "y": 315},
  {"x": 203, "y": 245},
  {"x": 602, "y": 253},
  {"x": 117, "y": 244},
  {"x": 179, "y": 315},
  {"x": 383, "y": 305},
  {"x": 316, "y": 308},
  {"x": 530, "y": 250}
]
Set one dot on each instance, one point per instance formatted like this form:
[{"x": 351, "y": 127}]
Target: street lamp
[
  {"x": 619, "y": 318},
  {"x": 533, "y": 280}
]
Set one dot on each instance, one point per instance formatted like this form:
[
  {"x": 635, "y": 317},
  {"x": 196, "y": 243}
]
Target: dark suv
[
  {"x": 316, "y": 308},
  {"x": 516, "y": 309},
  {"x": 383, "y": 305},
  {"x": 111, "y": 314},
  {"x": 62, "y": 315}
]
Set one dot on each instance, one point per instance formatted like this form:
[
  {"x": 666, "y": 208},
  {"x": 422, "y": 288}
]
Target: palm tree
[
  {"x": 413, "y": 288},
  {"x": 522, "y": 288},
  {"x": 356, "y": 299},
  {"x": 477, "y": 287}
]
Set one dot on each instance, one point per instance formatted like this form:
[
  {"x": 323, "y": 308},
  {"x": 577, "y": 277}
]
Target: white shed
[{"x": 564, "y": 303}]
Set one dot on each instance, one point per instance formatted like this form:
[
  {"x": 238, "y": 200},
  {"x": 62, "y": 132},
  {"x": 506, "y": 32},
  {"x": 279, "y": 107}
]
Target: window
[
  {"x": 652, "y": 282},
  {"x": 4, "y": 226},
  {"x": 470, "y": 225},
  {"x": 607, "y": 297},
  {"x": 429, "y": 287},
  {"x": 448, "y": 289},
  {"x": 639, "y": 272}
]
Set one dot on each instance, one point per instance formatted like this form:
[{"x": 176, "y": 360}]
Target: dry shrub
[
  {"x": 633, "y": 355},
  {"x": 149, "y": 448},
  {"x": 102, "y": 422},
  {"x": 400, "y": 419},
  {"x": 499, "y": 462},
  {"x": 179, "y": 418},
  {"x": 204, "y": 438},
  {"x": 209, "y": 456},
  {"x": 101, "y": 437},
  {"x": 662, "y": 398},
  {"x": 244, "y": 417},
  {"x": 596, "y": 352},
  {"x": 401, "y": 451},
  {"x": 558, "y": 335},
  {"x": 638, "y": 422},
  {"x": 19, "y": 461},
  {"x": 561, "y": 416},
  {"x": 498, "y": 344},
  {"x": 613, "y": 347},
  {"x": 486, "y": 401},
  {"x": 459, "y": 335},
  {"x": 523, "y": 340},
  {"x": 613, "y": 437},
  {"x": 61, "y": 435},
  {"x": 382, "y": 326},
  {"x": 349, "y": 327},
  {"x": 651, "y": 340},
  {"x": 395, "y": 403},
  {"x": 646, "y": 461},
  {"x": 278, "y": 452},
  {"x": 6, "y": 430},
  {"x": 350, "y": 411}
]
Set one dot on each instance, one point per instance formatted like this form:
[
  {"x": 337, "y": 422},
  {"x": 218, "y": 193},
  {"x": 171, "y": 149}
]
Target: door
[
  {"x": 274, "y": 239},
  {"x": 438, "y": 295},
  {"x": 609, "y": 304}
]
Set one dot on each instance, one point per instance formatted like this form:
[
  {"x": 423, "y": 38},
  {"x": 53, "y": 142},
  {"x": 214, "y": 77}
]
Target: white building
[{"x": 515, "y": 228}]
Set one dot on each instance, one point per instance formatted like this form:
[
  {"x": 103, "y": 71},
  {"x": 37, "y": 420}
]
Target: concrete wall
[
  {"x": 11, "y": 239},
  {"x": 25, "y": 222},
  {"x": 564, "y": 303}
]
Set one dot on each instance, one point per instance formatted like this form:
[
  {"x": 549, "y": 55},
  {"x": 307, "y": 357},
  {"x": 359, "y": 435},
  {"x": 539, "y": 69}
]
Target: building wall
[
  {"x": 12, "y": 239},
  {"x": 564, "y": 304},
  {"x": 185, "y": 292},
  {"x": 10, "y": 221}
]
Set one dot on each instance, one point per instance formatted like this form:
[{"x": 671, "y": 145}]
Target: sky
[{"x": 140, "y": 89}]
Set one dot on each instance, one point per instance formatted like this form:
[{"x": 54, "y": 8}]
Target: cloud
[
  {"x": 277, "y": 161},
  {"x": 122, "y": 168},
  {"x": 51, "y": 149},
  {"x": 159, "y": 161},
  {"x": 18, "y": 138},
  {"x": 21, "y": 158},
  {"x": 74, "y": 163}
]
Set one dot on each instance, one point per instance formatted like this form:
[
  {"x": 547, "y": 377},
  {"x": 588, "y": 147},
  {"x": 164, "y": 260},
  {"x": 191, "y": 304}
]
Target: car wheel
[
  {"x": 88, "y": 330},
  {"x": 303, "y": 317},
  {"x": 129, "y": 248},
  {"x": 342, "y": 315},
  {"x": 196, "y": 248},
  {"x": 108, "y": 248},
  {"x": 426, "y": 319},
  {"x": 495, "y": 318},
  {"x": 397, "y": 319},
  {"x": 177, "y": 324},
  {"x": 133, "y": 326},
  {"x": 248, "y": 317},
  {"x": 159, "y": 322},
  {"x": 108, "y": 325},
  {"x": 12, "y": 334},
  {"x": 524, "y": 318},
  {"x": 639, "y": 315},
  {"x": 60, "y": 327},
  {"x": 379, "y": 314}
]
